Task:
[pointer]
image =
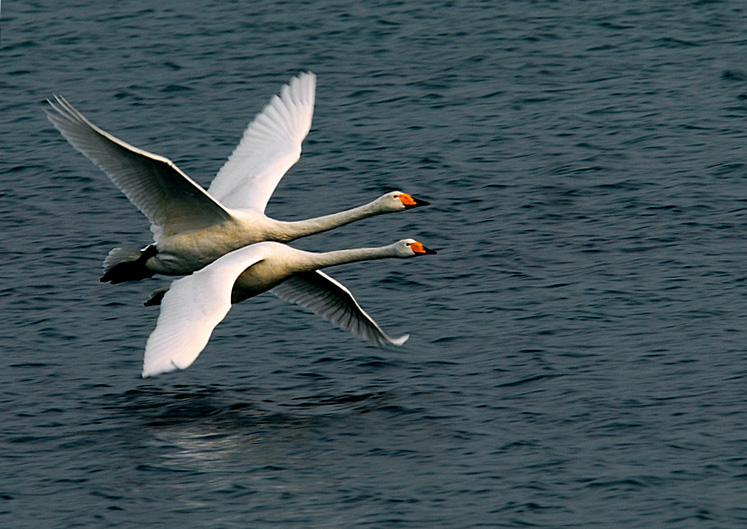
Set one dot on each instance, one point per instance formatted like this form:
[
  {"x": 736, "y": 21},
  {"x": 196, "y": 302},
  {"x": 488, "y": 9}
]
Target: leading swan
[
  {"x": 193, "y": 227},
  {"x": 194, "y": 305}
]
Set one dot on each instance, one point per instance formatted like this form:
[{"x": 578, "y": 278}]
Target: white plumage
[
  {"x": 193, "y": 227},
  {"x": 270, "y": 146},
  {"x": 195, "y": 304}
]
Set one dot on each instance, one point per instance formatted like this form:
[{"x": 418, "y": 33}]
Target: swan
[
  {"x": 193, "y": 227},
  {"x": 195, "y": 304}
]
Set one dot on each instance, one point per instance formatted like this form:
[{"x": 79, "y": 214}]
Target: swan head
[
  {"x": 411, "y": 248},
  {"x": 397, "y": 201}
]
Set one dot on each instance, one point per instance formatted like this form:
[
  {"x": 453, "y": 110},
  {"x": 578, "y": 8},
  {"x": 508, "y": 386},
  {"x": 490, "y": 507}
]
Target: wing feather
[
  {"x": 319, "y": 293},
  {"x": 171, "y": 200},
  {"x": 269, "y": 147},
  {"x": 192, "y": 308}
]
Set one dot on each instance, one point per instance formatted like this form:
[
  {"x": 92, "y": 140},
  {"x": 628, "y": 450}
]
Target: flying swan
[
  {"x": 194, "y": 305},
  {"x": 193, "y": 227}
]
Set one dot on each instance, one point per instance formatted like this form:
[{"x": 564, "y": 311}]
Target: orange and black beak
[
  {"x": 420, "y": 249},
  {"x": 411, "y": 202}
]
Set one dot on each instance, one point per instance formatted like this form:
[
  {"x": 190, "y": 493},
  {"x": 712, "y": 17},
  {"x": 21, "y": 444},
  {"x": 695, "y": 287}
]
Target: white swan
[
  {"x": 192, "y": 227},
  {"x": 194, "y": 305}
]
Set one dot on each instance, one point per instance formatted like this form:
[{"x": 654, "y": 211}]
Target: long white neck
[
  {"x": 315, "y": 261},
  {"x": 289, "y": 231}
]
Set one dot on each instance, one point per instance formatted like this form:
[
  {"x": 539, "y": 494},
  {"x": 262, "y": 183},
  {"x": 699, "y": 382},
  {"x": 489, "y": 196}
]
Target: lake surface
[{"x": 577, "y": 353}]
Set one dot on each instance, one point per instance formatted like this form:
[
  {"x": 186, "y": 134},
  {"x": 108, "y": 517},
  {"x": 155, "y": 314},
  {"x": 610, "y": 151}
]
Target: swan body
[
  {"x": 193, "y": 227},
  {"x": 194, "y": 305}
]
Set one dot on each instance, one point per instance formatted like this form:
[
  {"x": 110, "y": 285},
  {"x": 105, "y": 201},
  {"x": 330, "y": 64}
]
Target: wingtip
[
  {"x": 48, "y": 105},
  {"x": 150, "y": 371},
  {"x": 153, "y": 369},
  {"x": 399, "y": 342}
]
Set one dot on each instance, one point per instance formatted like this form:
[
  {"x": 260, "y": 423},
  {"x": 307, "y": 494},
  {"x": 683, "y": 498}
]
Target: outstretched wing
[
  {"x": 330, "y": 299},
  {"x": 270, "y": 146},
  {"x": 171, "y": 200},
  {"x": 191, "y": 309}
]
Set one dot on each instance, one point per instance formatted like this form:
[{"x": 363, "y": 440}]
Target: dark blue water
[{"x": 577, "y": 353}]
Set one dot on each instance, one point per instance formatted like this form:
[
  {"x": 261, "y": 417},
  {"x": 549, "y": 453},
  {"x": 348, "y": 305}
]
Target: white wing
[
  {"x": 171, "y": 200},
  {"x": 192, "y": 308},
  {"x": 330, "y": 299},
  {"x": 270, "y": 146}
]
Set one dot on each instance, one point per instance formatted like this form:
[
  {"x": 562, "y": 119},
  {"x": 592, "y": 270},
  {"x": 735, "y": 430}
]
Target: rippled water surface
[{"x": 577, "y": 353}]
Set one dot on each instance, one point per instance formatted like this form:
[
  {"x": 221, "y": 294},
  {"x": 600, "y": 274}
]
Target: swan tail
[{"x": 127, "y": 264}]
